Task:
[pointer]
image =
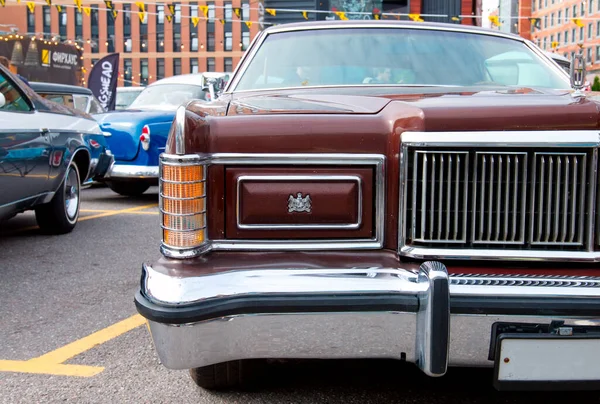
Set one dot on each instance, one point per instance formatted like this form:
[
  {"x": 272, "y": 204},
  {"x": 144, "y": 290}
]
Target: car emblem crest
[{"x": 299, "y": 204}]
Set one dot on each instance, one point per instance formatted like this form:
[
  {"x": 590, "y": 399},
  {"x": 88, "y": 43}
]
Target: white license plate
[{"x": 548, "y": 359}]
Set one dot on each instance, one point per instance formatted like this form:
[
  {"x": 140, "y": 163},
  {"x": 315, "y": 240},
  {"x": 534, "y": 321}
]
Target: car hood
[{"x": 439, "y": 108}]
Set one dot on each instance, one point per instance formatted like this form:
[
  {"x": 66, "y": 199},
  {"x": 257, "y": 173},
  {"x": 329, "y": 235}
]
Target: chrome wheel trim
[{"x": 71, "y": 191}]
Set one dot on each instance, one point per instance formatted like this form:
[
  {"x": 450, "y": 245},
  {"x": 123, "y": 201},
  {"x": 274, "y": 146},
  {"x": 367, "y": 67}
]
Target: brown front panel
[{"x": 264, "y": 203}]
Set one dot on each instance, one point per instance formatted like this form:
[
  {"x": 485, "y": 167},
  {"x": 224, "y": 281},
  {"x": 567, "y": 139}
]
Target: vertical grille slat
[
  {"x": 559, "y": 220},
  {"x": 498, "y": 178},
  {"x": 523, "y": 199},
  {"x": 438, "y": 213}
]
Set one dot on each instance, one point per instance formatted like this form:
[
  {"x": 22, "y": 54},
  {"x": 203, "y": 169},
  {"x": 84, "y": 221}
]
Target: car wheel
[
  {"x": 60, "y": 215},
  {"x": 128, "y": 188},
  {"x": 228, "y": 375}
]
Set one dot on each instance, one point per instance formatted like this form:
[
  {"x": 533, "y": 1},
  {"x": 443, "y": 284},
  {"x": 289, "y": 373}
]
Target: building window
[
  {"x": 177, "y": 14},
  {"x": 193, "y": 30},
  {"x": 160, "y": 28},
  {"x": 95, "y": 30},
  {"x": 78, "y": 25},
  {"x": 110, "y": 32},
  {"x": 30, "y": 22},
  {"x": 228, "y": 41},
  {"x": 551, "y": 40},
  {"x": 176, "y": 41},
  {"x": 545, "y": 3},
  {"x": 193, "y": 65},
  {"x": 211, "y": 13},
  {"x": 574, "y": 11},
  {"x": 591, "y": 7},
  {"x": 160, "y": 42},
  {"x": 581, "y": 34},
  {"x": 176, "y": 66},
  {"x": 545, "y": 44},
  {"x": 589, "y": 55},
  {"x": 558, "y": 39},
  {"x": 210, "y": 64},
  {"x": 144, "y": 35},
  {"x": 47, "y": 20},
  {"x": 597, "y": 53},
  {"x": 566, "y": 37},
  {"x": 573, "y": 37},
  {"x": 582, "y": 9},
  {"x": 245, "y": 40},
  {"x": 210, "y": 43},
  {"x": 246, "y": 11},
  {"x": 228, "y": 65},
  {"x": 567, "y": 14},
  {"x": 62, "y": 24},
  {"x": 177, "y": 29},
  {"x": 127, "y": 27},
  {"x": 590, "y": 30},
  {"x": 228, "y": 12},
  {"x": 128, "y": 72},
  {"x": 533, "y": 6},
  {"x": 545, "y": 21},
  {"x": 160, "y": 69},
  {"x": 598, "y": 28},
  {"x": 552, "y": 19},
  {"x": 559, "y": 18},
  {"x": 144, "y": 72}
]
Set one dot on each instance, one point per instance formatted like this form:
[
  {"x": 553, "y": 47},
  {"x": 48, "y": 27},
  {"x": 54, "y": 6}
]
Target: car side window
[{"x": 15, "y": 100}]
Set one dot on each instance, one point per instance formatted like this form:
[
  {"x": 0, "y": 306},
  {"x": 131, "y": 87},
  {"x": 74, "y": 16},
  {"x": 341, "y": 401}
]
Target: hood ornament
[
  {"x": 299, "y": 204},
  {"x": 578, "y": 75}
]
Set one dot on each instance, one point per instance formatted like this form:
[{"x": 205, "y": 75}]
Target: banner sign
[
  {"x": 103, "y": 80},
  {"x": 46, "y": 62}
]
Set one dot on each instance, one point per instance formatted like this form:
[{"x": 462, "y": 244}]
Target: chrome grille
[
  {"x": 558, "y": 199},
  {"x": 525, "y": 280},
  {"x": 439, "y": 196},
  {"x": 499, "y": 198}
]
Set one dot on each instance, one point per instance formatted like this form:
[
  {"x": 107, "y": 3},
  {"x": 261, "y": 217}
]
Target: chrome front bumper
[
  {"x": 123, "y": 171},
  {"x": 423, "y": 316}
]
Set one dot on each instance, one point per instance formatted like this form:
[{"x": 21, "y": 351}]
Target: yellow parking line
[
  {"x": 96, "y": 210},
  {"x": 52, "y": 362},
  {"x": 55, "y": 369},
  {"x": 113, "y": 210},
  {"x": 75, "y": 348},
  {"x": 118, "y": 212}
]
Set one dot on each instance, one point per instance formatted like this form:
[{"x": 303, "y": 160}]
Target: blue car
[{"x": 137, "y": 135}]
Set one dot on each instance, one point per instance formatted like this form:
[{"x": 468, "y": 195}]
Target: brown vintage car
[{"x": 376, "y": 189}]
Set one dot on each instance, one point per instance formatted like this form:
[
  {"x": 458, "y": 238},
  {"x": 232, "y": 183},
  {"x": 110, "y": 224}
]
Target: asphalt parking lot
[{"x": 69, "y": 330}]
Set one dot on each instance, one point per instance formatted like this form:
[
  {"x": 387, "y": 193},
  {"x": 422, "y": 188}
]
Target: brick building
[
  {"x": 150, "y": 49},
  {"x": 554, "y": 28},
  {"x": 165, "y": 41}
]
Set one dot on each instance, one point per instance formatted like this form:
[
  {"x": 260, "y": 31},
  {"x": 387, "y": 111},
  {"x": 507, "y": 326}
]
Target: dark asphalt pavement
[{"x": 55, "y": 290}]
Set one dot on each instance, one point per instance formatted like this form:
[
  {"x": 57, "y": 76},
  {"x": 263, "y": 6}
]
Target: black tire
[
  {"x": 59, "y": 216},
  {"x": 127, "y": 188},
  {"x": 240, "y": 374}
]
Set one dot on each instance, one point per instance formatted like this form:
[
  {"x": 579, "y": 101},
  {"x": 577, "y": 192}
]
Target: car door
[{"x": 25, "y": 147}]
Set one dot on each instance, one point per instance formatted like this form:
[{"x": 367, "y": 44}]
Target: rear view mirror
[{"x": 2, "y": 100}]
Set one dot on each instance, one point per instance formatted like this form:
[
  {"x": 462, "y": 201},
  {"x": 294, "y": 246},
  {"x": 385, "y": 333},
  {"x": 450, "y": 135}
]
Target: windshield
[
  {"x": 395, "y": 56},
  {"x": 125, "y": 98},
  {"x": 167, "y": 96}
]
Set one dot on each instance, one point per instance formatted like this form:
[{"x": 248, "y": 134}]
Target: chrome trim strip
[
  {"x": 180, "y": 130},
  {"x": 182, "y": 199},
  {"x": 164, "y": 212},
  {"x": 546, "y": 139},
  {"x": 433, "y": 319},
  {"x": 316, "y": 177},
  {"x": 131, "y": 171},
  {"x": 498, "y": 255},
  {"x": 182, "y": 230}
]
